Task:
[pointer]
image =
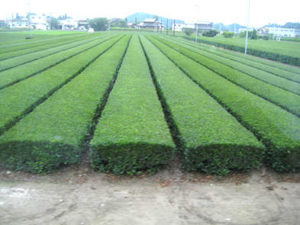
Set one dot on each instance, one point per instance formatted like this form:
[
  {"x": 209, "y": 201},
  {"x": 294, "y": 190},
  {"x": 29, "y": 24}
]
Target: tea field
[{"x": 135, "y": 101}]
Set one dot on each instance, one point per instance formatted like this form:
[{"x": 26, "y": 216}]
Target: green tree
[
  {"x": 99, "y": 24},
  {"x": 251, "y": 34},
  {"x": 210, "y": 33},
  {"x": 53, "y": 23},
  {"x": 188, "y": 31}
]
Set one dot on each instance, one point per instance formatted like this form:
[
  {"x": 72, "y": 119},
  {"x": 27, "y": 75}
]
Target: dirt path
[{"x": 79, "y": 196}]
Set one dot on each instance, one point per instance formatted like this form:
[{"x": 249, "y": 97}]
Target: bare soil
[{"x": 80, "y": 196}]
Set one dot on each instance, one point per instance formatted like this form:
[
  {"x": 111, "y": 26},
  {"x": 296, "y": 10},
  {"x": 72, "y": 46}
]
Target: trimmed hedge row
[
  {"x": 282, "y": 70},
  {"x": 132, "y": 133},
  {"x": 283, "y": 98},
  {"x": 268, "y": 55},
  {"x": 17, "y": 40},
  {"x": 249, "y": 70},
  {"x": 13, "y": 75},
  {"x": 54, "y": 133},
  {"x": 22, "y": 50},
  {"x": 278, "y": 129},
  {"x": 213, "y": 140},
  {"x": 23, "y": 96},
  {"x": 10, "y": 63},
  {"x": 250, "y": 58}
]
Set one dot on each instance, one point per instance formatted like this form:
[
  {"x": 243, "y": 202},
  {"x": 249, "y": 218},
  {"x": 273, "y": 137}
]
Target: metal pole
[
  {"x": 246, "y": 42},
  {"x": 174, "y": 28},
  {"x": 196, "y": 38},
  {"x": 160, "y": 24},
  {"x": 167, "y": 26}
]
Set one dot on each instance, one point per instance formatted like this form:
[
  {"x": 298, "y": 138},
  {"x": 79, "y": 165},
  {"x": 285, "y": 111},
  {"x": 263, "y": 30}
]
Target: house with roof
[
  {"x": 203, "y": 26},
  {"x": 21, "y": 22},
  {"x": 68, "y": 24},
  {"x": 151, "y": 24},
  {"x": 38, "y": 21}
]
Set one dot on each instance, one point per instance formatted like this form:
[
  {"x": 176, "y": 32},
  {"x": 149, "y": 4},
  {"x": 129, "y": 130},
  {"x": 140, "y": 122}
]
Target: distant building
[
  {"x": 91, "y": 30},
  {"x": 18, "y": 23},
  {"x": 204, "y": 26},
  {"x": 132, "y": 25},
  {"x": 201, "y": 26},
  {"x": 83, "y": 25},
  {"x": 282, "y": 32},
  {"x": 245, "y": 29},
  {"x": 150, "y": 24},
  {"x": 38, "y": 22},
  {"x": 181, "y": 27},
  {"x": 68, "y": 24}
]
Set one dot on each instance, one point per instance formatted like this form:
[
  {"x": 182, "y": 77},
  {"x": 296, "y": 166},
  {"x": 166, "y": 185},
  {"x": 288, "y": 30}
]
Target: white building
[
  {"x": 18, "y": 23},
  {"x": 245, "y": 29},
  {"x": 282, "y": 32},
  {"x": 68, "y": 24},
  {"x": 38, "y": 22},
  {"x": 203, "y": 26},
  {"x": 181, "y": 26},
  {"x": 151, "y": 24}
]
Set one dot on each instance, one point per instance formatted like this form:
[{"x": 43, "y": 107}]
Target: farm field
[
  {"x": 282, "y": 51},
  {"x": 134, "y": 102}
]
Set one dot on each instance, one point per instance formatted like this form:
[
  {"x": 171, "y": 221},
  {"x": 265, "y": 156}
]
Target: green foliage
[
  {"x": 284, "y": 98},
  {"x": 251, "y": 68},
  {"x": 23, "y": 66},
  {"x": 99, "y": 24},
  {"x": 35, "y": 46},
  {"x": 49, "y": 137},
  {"x": 228, "y": 34},
  {"x": 118, "y": 23},
  {"x": 188, "y": 31},
  {"x": 210, "y": 33},
  {"x": 285, "y": 52},
  {"x": 130, "y": 158},
  {"x": 213, "y": 141},
  {"x": 277, "y": 129},
  {"x": 53, "y": 23},
  {"x": 21, "y": 97},
  {"x": 132, "y": 134},
  {"x": 281, "y": 70}
]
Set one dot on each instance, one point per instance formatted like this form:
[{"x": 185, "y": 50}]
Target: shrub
[
  {"x": 188, "y": 31},
  {"x": 21, "y": 72},
  {"x": 210, "y": 33},
  {"x": 283, "y": 98},
  {"x": 23, "y": 96},
  {"x": 228, "y": 34},
  {"x": 281, "y": 136},
  {"x": 54, "y": 133},
  {"x": 132, "y": 133},
  {"x": 211, "y": 139}
]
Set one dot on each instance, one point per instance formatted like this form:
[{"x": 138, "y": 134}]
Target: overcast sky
[{"x": 227, "y": 11}]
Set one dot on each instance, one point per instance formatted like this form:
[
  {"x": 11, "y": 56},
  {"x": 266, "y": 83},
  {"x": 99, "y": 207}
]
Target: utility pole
[
  {"x": 247, "y": 31},
  {"x": 167, "y": 26},
  {"x": 196, "y": 37},
  {"x": 174, "y": 28}
]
